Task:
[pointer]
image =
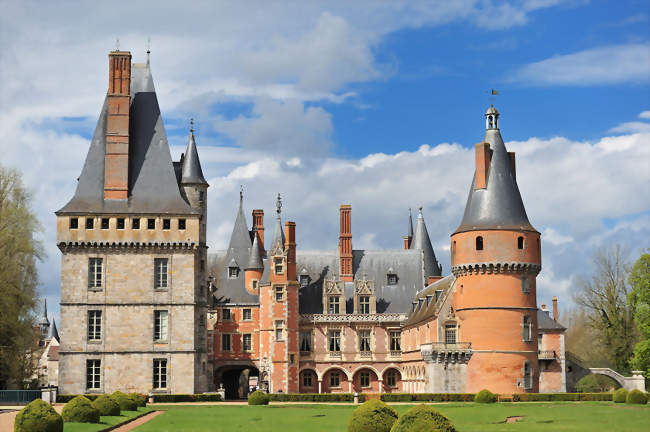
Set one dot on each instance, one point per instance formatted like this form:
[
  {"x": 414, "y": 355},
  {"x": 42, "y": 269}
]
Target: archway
[
  {"x": 392, "y": 380},
  {"x": 237, "y": 380},
  {"x": 308, "y": 381},
  {"x": 365, "y": 380}
]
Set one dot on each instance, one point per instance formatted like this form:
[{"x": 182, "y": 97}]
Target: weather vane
[
  {"x": 117, "y": 44},
  {"x": 492, "y": 93}
]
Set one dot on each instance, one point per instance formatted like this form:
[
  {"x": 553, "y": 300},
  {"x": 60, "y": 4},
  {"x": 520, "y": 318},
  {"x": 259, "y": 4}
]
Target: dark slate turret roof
[
  {"x": 53, "y": 333},
  {"x": 43, "y": 321},
  {"x": 278, "y": 233},
  {"x": 192, "y": 172},
  {"x": 409, "y": 232},
  {"x": 499, "y": 206},
  {"x": 422, "y": 242},
  {"x": 153, "y": 187},
  {"x": 545, "y": 322},
  {"x": 254, "y": 257}
]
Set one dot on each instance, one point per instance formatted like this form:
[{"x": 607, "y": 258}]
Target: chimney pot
[
  {"x": 345, "y": 243},
  {"x": 483, "y": 156},
  {"x": 556, "y": 313}
]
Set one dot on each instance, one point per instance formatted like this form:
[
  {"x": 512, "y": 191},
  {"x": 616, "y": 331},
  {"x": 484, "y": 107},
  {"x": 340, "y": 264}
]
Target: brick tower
[{"x": 496, "y": 256}]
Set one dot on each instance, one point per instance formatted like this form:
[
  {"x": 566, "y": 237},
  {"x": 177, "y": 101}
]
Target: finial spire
[
  {"x": 419, "y": 211},
  {"x": 241, "y": 193},
  {"x": 148, "y": 49},
  {"x": 278, "y": 204},
  {"x": 192, "y": 126}
]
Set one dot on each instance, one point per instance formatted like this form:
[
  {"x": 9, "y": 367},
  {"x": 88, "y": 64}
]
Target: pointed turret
[
  {"x": 278, "y": 234},
  {"x": 422, "y": 241},
  {"x": 410, "y": 228},
  {"x": 255, "y": 257},
  {"x": 43, "y": 321},
  {"x": 192, "y": 172},
  {"x": 53, "y": 333}
]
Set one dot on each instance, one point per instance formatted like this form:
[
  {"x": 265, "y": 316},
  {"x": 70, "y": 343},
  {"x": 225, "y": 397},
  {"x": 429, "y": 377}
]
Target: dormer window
[
  {"x": 304, "y": 280},
  {"x": 278, "y": 265},
  {"x": 391, "y": 279},
  {"x": 233, "y": 272},
  {"x": 333, "y": 305},
  {"x": 438, "y": 294},
  {"x": 364, "y": 304}
]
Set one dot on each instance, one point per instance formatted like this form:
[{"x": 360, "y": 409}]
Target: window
[
  {"x": 247, "y": 342},
  {"x": 74, "y": 223},
  {"x": 120, "y": 223},
  {"x": 305, "y": 341},
  {"x": 335, "y": 379},
  {"x": 247, "y": 315},
  {"x": 151, "y": 223},
  {"x": 254, "y": 283},
  {"x": 450, "y": 333},
  {"x": 225, "y": 314},
  {"x": 95, "y": 272},
  {"x": 94, "y": 325},
  {"x": 201, "y": 196},
  {"x": 160, "y": 373},
  {"x": 279, "y": 293},
  {"x": 181, "y": 224},
  {"x": 335, "y": 341},
  {"x": 479, "y": 243},
  {"x": 395, "y": 341},
  {"x": 525, "y": 285},
  {"x": 279, "y": 331},
  {"x": 167, "y": 224},
  {"x": 520, "y": 242},
  {"x": 333, "y": 305},
  {"x": 292, "y": 359},
  {"x": 160, "y": 273},
  {"x": 160, "y": 325},
  {"x": 304, "y": 280},
  {"x": 135, "y": 223},
  {"x": 93, "y": 374},
  {"x": 90, "y": 223},
  {"x": 364, "y": 341},
  {"x": 105, "y": 222},
  {"x": 391, "y": 378},
  {"x": 278, "y": 267},
  {"x": 364, "y": 304},
  {"x": 528, "y": 376},
  {"x": 225, "y": 342},
  {"x": 391, "y": 279},
  {"x": 527, "y": 329},
  {"x": 364, "y": 378},
  {"x": 438, "y": 294},
  {"x": 233, "y": 272},
  {"x": 307, "y": 379}
]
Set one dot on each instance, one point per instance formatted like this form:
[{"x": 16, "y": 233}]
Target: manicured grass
[
  {"x": 467, "y": 417},
  {"x": 104, "y": 422}
]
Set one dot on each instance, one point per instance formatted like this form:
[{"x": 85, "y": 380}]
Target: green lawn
[
  {"x": 467, "y": 417},
  {"x": 104, "y": 422}
]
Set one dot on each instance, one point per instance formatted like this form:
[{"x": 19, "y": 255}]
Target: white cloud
[
  {"x": 645, "y": 115},
  {"x": 555, "y": 238},
  {"x": 612, "y": 64},
  {"x": 632, "y": 127}
]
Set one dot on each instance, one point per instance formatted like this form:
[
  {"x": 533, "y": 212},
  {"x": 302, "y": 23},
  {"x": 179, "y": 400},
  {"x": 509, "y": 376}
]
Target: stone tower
[
  {"x": 496, "y": 256},
  {"x": 133, "y": 288}
]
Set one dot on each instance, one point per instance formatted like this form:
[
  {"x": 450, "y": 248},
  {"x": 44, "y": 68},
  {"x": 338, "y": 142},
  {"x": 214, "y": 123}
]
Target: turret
[
  {"x": 421, "y": 241},
  {"x": 408, "y": 238},
  {"x": 193, "y": 184},
  {"x": 496, "y": 256},
  {"x": 43, "y": 322}
]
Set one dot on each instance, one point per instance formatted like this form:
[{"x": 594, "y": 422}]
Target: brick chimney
[
  {"x": 290, "y": 247},
  {"x": 407, "y": 242},
  {"x": 345, "y": 243},
  {"x": 483, "y": 157},
  {"x": 258, "y": 226},
  {"x": 116, "y": 161},
  {"x": 556, "y": 313}
]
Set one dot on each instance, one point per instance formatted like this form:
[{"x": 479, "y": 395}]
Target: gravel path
[{"x": 139, "y": 421}]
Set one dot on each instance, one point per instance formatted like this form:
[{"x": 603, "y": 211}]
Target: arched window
[
  {"x": 479, "y": 243},
  {"x": 527, "y": 329},
  {"x": 520, "y": 242}
]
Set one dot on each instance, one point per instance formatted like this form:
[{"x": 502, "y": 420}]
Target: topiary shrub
[
  {"x": 124, "y": 401},
  {"x": 596, "y": 383},
  {"x": 485, "y": 396},
  {"x": 80, "y": 410},
  {"x": 38, "y": 416},
  {"x": 619, "y": 395},
  {"x": 372, "y": 416},
  {"x": 139, "y": 399},
  {"x": 423, "y": 418},
  {"x": 107, "y": 406},
  {"x": 637, "y": 397},
  {"x": 258, "y": 397}
]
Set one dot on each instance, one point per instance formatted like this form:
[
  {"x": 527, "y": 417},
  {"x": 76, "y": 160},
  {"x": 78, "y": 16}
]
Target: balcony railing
[
  {"x": 546, "y": 355},
  {"x": 440, "y": 346},
  {"x": 441, "y": 352}
]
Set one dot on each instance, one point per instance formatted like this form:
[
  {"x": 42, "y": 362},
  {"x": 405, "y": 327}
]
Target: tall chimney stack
[
  {"x": 345, "y": 243},
  {"x": 290, "y": 247},
  {"x": 258, "y": 226},
  {"x": 116, "y": 161},
  {"x": 483, "y": 157},
  {"x": 556, "y": 313}
]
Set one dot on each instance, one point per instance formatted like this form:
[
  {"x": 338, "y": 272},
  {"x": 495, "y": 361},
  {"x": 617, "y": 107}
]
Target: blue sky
[{"x": 373, "y": 103}]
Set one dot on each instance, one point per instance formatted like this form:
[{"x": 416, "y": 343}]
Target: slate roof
[
  {"x": 423, "y": 242},
  {"x": 255, "y": 256},
  {"x": 545, "y": 322},
  {"x": 153, "y": 187},
  {"x": 43, "y": 319},
  {"x": 499, "y": 206},
  {"x": 428, "y": 310},
  {"x": 192, "y": 172},
  {"x": 53, "y": 333}
]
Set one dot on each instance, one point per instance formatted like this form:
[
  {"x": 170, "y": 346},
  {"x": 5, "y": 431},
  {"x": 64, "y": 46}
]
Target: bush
[
  {"x": 485, "y": 396},
  {"x": 315, "y": 397},
  {"x": 423, "y": 418},
  {"x": 107, "y": 406},
  {"x": 258, "y": 397},
  {"x": 443, "y": 397},
  {"x": 596, "y": 383},
  {"x": 38, "y": 416},
  {"x": 80, "y": 410},
  {"x": 172, "y": 398},
  {"x": 637, "y": 397},
  {"x": 372, "y": 416},
  {"x": 124, "y": 401},
  {"x": 620, "y": 395},
  {"x": 139, "y": 399},
  {"x": 63, "y": 398}
]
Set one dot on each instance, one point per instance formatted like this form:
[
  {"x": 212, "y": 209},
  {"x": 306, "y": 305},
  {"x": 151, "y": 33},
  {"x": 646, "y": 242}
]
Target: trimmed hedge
[
  {"x": 139, "y": 399},
  {"x": 372, "y": 416},
  {"x": 427, "y": 397},
  {"x": 485, "y": 396},
  {"x": 258, "y": 397},
  {"x": 423, "y": 418},
  {"x": 107, "y": 406},
  {"x": 637, "y": 397},
  {"x": 64, "y": 398},
  {"x": 125, "y": 402},
  {"x": 315, "y": 397},
  {"x": 38, "y": 416},
  {"x": 619, "y": 395},
  {"x": 172, "y": 398},
  {"x": 80, "y": 410}
]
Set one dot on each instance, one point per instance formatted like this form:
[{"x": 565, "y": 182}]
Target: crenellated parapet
[
  {"x": 520, "y": 268},
  {"x": 439, "y": 352},
  {"x": 71, "y": 246}
]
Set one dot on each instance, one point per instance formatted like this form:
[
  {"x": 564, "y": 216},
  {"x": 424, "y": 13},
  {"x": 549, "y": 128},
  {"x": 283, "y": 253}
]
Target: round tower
[
  {"x": 194, "y": 186},
  {"x": 496, "y": 256}
]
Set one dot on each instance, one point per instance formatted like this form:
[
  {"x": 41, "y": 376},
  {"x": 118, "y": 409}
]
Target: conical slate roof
[
  {"x": 192, "y": 172},
  {"x": 409, "y": 232},
  {"x": 278, "y": 234},
  {"x": 53, "y": 333},
  {"x": 43, "y": 321},
  {"x": 499, "y": 205},
  {"x": 423, "y": 242},
  {"x": 254, "y": 258}
]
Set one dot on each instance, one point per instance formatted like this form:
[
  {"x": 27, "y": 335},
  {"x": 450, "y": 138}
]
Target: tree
[
  {"x": 580, "y": 336},
  {"x": 639, "y": 299},
  {"x": 18, "y": 279},
  {"x": 604, "y": 299}
]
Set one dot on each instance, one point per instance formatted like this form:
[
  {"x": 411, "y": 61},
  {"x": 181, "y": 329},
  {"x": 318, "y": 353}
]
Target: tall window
[
  {"x": 335, "y": 341},
  {"x": 364, "y": 304},
  {"x": 135, "y": 223},
  {"x": 151, "y": 223},
  {"x": 247, "y": 342},
  {"x": 333, "y": 304},
  {"x": 167, "y": 224},
  {"x": 181, "y": 224},
  {"x": 225, "y": 315},
  {"x": 277, "y": 265},
  {"x": 74, "y": 223},
  {"x": 364, "y": 378},
  {"x": 225, "y": 342},
  {"x": 279, "y": 293},
  {"x": 90, "y": 223},
  {"x": 395, "y": 341},
  {"x": 279, "y": 330},
  {"x": 95, "y": 272},
  {"x": 479, "y": 243},
  {"x": 305, "y": 341},
  {"x": 160, "y": 273},
  {"x": 527, "y": 329},
  {"x": 160, "y": 373},
  {"x": 247, "y": 315},
  {"x": 528, "y": 376},
  {"x": 520, "y": 242},
  {"x": 391, "y": 378},
  {"x": 94, "y": 325},
  {"x": 93, "y": 374},
  {"x": 335, "y": 379},
  {"x": 307, "y": 378},
  {"x": 450, "y": 333},
  {"x": 160, "y": 325},
  {"x": 364, "y": 341}
]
